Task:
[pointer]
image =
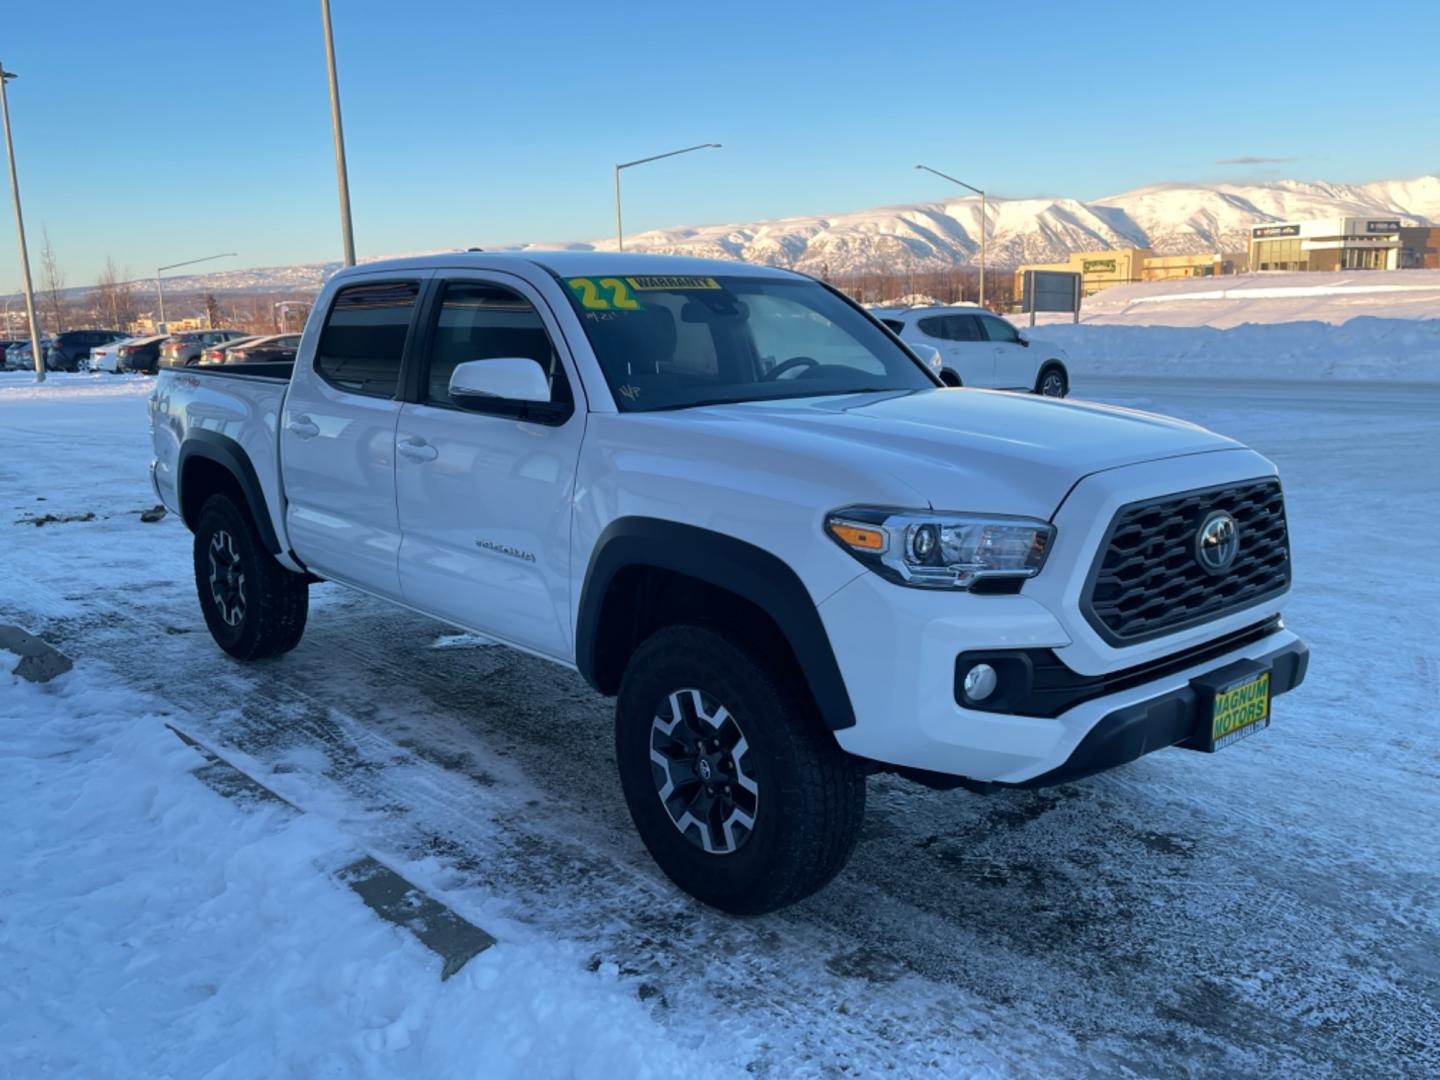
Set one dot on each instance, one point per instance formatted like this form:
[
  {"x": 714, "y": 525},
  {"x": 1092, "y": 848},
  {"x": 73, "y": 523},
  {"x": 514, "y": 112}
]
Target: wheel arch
[
  {"x": 210, "y": 462},
  {"x": 642, "y": 572}
]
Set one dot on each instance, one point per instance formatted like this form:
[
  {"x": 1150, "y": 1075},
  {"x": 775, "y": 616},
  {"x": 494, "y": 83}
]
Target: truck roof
[{"x": 576, "y": 263}]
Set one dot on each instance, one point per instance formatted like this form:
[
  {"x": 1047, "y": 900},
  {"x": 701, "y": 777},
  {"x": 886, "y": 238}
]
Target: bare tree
[
  {"x": 123, "y": 296},
  {"x": 212, "y": 310},
  {"x": 52, "y": 281}
]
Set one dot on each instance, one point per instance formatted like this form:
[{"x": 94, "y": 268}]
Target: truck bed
[{"x": 230, "y": 414}]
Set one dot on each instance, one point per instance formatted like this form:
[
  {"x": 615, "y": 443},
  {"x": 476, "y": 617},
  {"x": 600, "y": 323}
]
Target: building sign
[
  {"x": 1261, "y": 232},
  {"x": 1382, "y": 226},
  {"x": 1098, "y": 266},
  {"x": 1050, "y": 290}
]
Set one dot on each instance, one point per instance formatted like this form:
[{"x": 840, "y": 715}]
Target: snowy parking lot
[{"x": 1271, "y": 910}]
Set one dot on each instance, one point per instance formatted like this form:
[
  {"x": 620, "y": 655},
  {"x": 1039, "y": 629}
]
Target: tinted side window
[
  {"x": 1000, "y": 330},
  {"x": 895, "y": 325},
  {"x": 480, "y": 321},
  {"x": 965, "y": 328},
  {"x": 364, "y": 337},
  {"x": 952, "y": 327}
]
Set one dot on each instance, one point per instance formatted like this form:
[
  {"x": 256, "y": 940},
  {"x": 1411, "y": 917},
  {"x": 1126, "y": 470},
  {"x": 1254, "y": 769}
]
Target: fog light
[{"x": 980, "y": 682}]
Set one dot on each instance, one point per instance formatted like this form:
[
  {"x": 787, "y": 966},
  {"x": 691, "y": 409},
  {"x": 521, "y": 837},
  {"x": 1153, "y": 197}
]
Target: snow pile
[
  {"x": 1266, "y": 298},
  {"x": 152, "y": 928},
  {"x": 1405, "y": 350}
]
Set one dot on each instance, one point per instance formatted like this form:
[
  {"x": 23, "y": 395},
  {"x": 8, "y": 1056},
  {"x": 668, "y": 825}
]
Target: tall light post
[
  {"x": 619, "y": 228},
  {"x": 160, "y": 285},
  {"x": 342, "y": 175},
  {"x": 36, "y": 354},
  {"x": 984, "y": 221}
]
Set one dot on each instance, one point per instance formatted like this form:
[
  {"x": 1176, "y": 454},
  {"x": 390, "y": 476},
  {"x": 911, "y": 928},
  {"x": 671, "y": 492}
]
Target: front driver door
[
  {"x": 485, "y": 497},
  {"x": 1014, "y": 366}
]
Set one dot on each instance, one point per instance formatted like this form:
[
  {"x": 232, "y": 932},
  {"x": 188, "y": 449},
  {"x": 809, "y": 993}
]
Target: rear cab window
[{"x": 363, "y": 341}]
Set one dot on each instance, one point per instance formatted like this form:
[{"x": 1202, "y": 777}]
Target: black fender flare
[
  {"x": 743, "y": 569},
  {"x": 229, "y": 455}
]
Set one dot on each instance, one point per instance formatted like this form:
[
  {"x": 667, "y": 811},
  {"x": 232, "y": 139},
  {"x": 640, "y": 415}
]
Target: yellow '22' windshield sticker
[{"x": 603, "y": 294}]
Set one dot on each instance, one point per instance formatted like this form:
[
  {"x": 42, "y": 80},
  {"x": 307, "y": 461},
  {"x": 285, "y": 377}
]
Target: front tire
[
  {"x": 741, "y": 797},
  {"x": 253, "y": 606},
  {"x": 1053, "y": 382}
]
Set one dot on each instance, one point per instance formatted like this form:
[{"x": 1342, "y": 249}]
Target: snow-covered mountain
[{"x": 1173, "y": 219}]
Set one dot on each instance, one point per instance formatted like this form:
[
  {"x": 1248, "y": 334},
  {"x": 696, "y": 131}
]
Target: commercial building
[
  {"x": 1419, "y": 248},
  {"x": 1097, "y": 269},
  {"x": 1122, "y": 266},
  {"x": 1348, "y": 243}
]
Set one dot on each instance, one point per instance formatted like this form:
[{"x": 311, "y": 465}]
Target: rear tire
[
  {"x": 759, "y": 811},
  {"x": 253, "y": 606},
  {"x": 1053, "y": 382}
]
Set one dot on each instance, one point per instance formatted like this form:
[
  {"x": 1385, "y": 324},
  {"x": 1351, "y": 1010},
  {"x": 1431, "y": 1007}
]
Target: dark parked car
[
  {"x": 271, "y": 349},
  {"x": 184, "y": 349},
  {"x": 71, "y": 348},
  {"x": 142, "y": 354}
]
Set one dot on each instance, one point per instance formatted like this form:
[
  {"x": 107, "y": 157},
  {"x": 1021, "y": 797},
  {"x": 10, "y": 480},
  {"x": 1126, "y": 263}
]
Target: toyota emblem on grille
[{"x": 1217, "y": 542}]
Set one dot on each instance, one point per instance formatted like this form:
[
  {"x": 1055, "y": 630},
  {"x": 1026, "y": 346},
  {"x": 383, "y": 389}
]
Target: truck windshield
[{"x": 675, "y": 342}]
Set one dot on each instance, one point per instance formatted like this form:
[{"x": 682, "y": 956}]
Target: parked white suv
[
  {"x": 730, "y": 498},
  {"x": 983, "y": 349}
]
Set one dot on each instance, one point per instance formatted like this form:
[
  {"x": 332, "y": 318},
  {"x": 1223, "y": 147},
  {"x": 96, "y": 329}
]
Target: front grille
[{"x": 1148, "y": 581}]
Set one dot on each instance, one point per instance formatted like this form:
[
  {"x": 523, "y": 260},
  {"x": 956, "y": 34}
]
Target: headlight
[{"x": 939, "y": 550}]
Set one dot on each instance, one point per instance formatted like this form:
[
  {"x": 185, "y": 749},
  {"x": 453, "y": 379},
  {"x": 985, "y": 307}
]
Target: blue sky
[{"x": 160, "y": 130}]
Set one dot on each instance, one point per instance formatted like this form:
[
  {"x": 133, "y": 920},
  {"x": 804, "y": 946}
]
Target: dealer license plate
[{"x": 1240, "y": 710}]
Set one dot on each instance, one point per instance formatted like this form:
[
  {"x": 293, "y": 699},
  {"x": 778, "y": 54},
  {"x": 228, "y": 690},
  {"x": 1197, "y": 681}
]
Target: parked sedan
[
  {"x": 141, "y": 354},
  {"x": 184, "y": 349},
  {"x": 982, "y": 349},
  {"x": 18, "y": 357},
  {"x": 70, "y": 347},
  {"x": 107, "y": 357},
  {"x": 273, "y": 349},
  {"x": 218, "y": 354}
]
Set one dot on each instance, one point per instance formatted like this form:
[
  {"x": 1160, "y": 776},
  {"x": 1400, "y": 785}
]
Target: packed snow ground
[{"x": 1273, "y": 909}]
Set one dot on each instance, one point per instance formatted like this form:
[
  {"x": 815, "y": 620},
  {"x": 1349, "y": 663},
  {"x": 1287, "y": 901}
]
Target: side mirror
[
  {"x": 1025, "y": 341},
  {"x": 929, "y": 354},
  {"x": 480, "y": 384}
]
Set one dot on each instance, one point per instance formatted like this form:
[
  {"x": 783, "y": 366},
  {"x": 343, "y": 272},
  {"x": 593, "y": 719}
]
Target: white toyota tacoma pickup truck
[{"x": 733, "y": 500}]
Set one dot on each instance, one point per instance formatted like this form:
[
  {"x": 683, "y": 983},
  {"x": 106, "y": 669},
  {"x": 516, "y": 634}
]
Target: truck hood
[{"x": 977, "y": 449}]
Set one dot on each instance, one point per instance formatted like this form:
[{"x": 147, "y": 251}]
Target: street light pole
[
  {"x": 619, "y": 230},
  {"x": 984, "y": 221},
  {"x": 342, "y": 175},
  {"x": 160, "y": 285},
  {"x": 36, "y": 355}
]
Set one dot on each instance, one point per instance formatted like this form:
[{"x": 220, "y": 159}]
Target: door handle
[
  {"x": 304, "y": 427},
  {"x": 417, "y": 450}
]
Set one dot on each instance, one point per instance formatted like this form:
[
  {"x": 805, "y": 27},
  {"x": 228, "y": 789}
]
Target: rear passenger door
[
  {"x": 962, "y": 346},
  {"x": 485, "y": 497},
  {"x": 1014, "y": 364},
  {"x": 337, "y": 436}
]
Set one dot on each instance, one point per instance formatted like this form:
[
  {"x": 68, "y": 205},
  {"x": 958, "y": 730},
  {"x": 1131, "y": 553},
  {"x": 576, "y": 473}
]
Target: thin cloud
[{"x": 1248, "y": 160}]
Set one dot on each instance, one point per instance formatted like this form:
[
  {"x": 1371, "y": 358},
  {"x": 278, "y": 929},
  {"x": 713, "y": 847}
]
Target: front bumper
[
  {"x": 897, "y": 651},
  {"x": 1162, "y": 721}
]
